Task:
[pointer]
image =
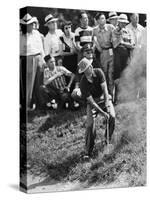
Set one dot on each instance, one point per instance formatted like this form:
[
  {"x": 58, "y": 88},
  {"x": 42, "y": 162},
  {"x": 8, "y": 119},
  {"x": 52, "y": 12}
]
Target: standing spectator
[
  {"x": 93, "y": 86},
  {"x": 55, "y": 86},
  {"x": 135, "y": 29},
  {"x": 103, "y": 41},
  {"x": 36, "y": 27},
  {"x": 83, "y": 34},
  {"x": 122, "y": 44},
  {"x": 52, "y": 44},
  {"x": 69, "y": 52},
  {"x": 31, "y": 58},
  {"x": 113, "y": 18}
]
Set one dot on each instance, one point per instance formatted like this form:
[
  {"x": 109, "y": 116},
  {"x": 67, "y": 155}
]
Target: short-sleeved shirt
[
  {"x": 52, "y": 43},
  {"x": 84, "y": 35},
  {"x": 121, "y": 35},
  {"x": 92, "y": 89},
  {"x": 135, "y": 33},
  {"x": 59, "y": 82},
  {"x": 104, "y": 36}
]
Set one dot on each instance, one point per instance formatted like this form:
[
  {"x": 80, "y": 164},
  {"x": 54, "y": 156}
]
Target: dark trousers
[
  {"x": 121, "y": 56},
  {"x": 70, "y": 62},
  {"x": 36, "y": 89},
  {"x": 48, "y": 93},
  {"x": 90, "y": 133}
]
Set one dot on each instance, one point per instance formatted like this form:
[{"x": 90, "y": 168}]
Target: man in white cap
[
  {"x": 123, "y": 44},
  {"x": 31, "y": 58},
  {"x": 135, "y": 29},
  {"x": 93, "y": 86},
  {"x": 52, "y": 43},
  {"x": 113, "y": 18}
]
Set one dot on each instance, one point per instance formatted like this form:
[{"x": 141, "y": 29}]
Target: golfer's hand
[{"x": 76, "y": 92}]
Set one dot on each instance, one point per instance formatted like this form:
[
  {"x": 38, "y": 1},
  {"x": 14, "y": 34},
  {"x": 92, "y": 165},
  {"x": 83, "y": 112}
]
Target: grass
[{"x": 60, "y": 157}]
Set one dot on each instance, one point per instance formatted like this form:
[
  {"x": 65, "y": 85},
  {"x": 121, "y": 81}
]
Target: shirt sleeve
[
  {"x": 101, "y": 75},
  {"x": 65, "y": 71},
  {"x": 116, "y": 38},
  {"x": 77, "y": 36}
]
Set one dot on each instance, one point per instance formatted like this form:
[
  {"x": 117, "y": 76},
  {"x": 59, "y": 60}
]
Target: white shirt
[
  {"x": 52, "y": 43},
  {"x": 31, "y": 44},
  {"x": 135, "y": 33}
]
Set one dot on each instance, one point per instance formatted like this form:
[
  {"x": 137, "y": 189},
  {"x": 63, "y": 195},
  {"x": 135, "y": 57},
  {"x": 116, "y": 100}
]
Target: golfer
[{"x": 93, "y": 86}]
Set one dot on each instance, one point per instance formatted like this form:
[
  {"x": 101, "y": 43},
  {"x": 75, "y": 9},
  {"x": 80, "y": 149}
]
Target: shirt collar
[{"x": 104, "y": 28}]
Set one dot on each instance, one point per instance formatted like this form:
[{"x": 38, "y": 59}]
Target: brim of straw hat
[
  {"x": 114, "y": 17},
  {"x": 123, "y": 21},
  {"x": 52, "y": 20},
  {"x": 32, "y": 20}
]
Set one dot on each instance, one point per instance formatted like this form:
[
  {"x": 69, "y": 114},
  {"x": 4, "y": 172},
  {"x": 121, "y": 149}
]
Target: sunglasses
[
  {"x": 66, "y": 28},
  {"x": 89, "y": 52}
]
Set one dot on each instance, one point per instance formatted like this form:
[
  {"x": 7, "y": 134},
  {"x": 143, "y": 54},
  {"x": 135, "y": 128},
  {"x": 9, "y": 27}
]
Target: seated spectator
[
  {"x": 68, "y": 47},
  {"x": 55, "y": 86}
]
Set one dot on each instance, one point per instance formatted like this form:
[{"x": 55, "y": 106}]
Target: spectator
[
  {"x": 93, "y": 86},
  {"x": 36, "y": 26},
  {"x": 135, "y": 29},
  {"x": 68, "y": 47},
  {"x": 103, "y": 41},
  {"x": 113, "y": 18},
  {"x": 83, "y": 34},
  {"x": 55, "y": 86},
  {"x": 52, "y": 44},
  {"x": 122, "y": 44},
  {"x": 31, "y": 58}
]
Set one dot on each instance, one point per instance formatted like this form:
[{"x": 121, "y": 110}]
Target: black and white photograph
[{"x": 82, "y": 99}]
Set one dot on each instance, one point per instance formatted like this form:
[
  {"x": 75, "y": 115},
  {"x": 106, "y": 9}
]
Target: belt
[
  {"x": 37, "y": 54},
  {"x": 106, "y": 48}
]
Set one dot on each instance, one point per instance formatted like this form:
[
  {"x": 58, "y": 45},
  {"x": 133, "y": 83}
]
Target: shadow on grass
[
  {"x": 59, "y": 118},
  {"x": 58, "y": 172}
]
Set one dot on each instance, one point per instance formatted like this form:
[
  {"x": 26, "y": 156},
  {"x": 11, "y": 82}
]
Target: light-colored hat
[
  {"x": 123, "y": 18},
  {"x": 27, "y": 19},
  {"x": 49, "y": 18},
  {"x": 83, "y": 65},
  {"x": 112, "y": 15}
]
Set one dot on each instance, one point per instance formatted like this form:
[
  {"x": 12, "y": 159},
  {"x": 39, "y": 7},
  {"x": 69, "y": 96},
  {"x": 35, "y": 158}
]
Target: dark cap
[
  {"x": 47, "y": 58},
  {"x": 87, "y": 47}
]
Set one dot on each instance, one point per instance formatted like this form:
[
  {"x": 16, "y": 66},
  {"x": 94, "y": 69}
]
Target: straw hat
[
  {"x": 112, "y": 15},
  {"x": 50, "y": 18},
  {"x": 84, "y": 65},
  {"x": 28, "y": 19},
  {"x": 123, "y": 18}
]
